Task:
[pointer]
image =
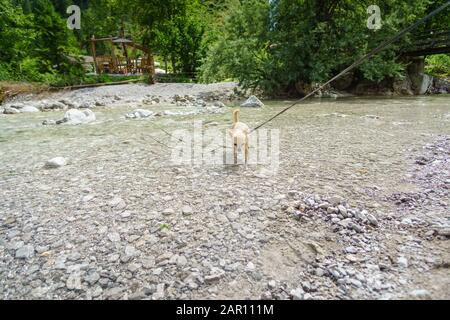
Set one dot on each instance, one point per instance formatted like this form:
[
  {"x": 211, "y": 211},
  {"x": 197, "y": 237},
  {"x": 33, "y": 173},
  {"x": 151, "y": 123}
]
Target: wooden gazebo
[{"x": 113, "y": 64}]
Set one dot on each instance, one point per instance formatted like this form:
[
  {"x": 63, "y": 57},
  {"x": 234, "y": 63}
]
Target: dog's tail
[{"x": 235, "y": 116}]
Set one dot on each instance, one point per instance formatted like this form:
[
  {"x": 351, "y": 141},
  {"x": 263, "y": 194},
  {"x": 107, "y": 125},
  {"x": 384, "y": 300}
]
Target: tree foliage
[
  {"x": 273, "y": 45},
  {"x": 276, "y": 46}
]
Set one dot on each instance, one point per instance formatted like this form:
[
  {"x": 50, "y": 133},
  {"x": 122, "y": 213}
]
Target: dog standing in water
[{"x": 239, "y": 135}]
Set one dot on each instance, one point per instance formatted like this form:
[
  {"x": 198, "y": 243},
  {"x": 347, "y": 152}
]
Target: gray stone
[
  {"x": 74, "y": 281},
  {"x": 168, "y": 212},
  {"x": 420, "y": 293},
  {"x": 343, "y": 211},
  {"x": 75, "y": 116},
  {"x": 373, "y": 221},
  {"x": 215, "y": 276},
  {"x": 114, "y": 236},
  {"x": 402, "y": 262},
  {"x": 181, "y": 261},
  {"x": 25, "y": 252},
  {"x": 186, "y": 210},
  {"x": 252, "y": 102},
  {"x": 139, "y": 114},
  {"x": 160, "y": 292},
  {"x": 92, "y": 277},
  {"x": 297, "y": 294},
  {"x": 9, "y": 110},
  {"x": 444, "y": 232},
  {"x": 29, "y": 109},
  {"x": 55, "y": 163},
  {"x": 117, "y": 203}
]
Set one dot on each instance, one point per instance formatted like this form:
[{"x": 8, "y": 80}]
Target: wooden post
[
  {"x": 113, "y": 56},
  {"x": 134, "y": 60},
  {"x": 151, "y": 62},
  {"x": 94, "y": 54},
  {"x": 122, "y": 35}
]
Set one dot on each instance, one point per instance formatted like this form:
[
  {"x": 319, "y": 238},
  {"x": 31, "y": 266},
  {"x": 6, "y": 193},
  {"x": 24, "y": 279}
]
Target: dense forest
[{"x": 270, "y": 45}]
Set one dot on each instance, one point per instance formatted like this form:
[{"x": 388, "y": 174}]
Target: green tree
[{"x": 277, "y": 46}]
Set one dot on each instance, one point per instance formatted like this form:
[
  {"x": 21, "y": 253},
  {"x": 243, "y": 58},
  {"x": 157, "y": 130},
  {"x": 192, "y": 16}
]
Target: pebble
[
  {"x": 444, "y": 232},
  {"x": 114, "y": 236},
  {"x": 168, "y": 212},
  {"x": 186, "y": 210},
  {"x": 250, "y": 266},
  {"x": 272, "y": 284},
  {"x": 232, "y": 216},
  {"x": 402, "y": 262},
  {"x": 74, "y": 282},
  {"x": 92, "y": 277},
  {"x": 373, "y": 221},
  {"x": 25, "y": 252},
  {"x": 297, "y": 294},
  {"x": 420, "y": 293},
  {"x": 117, "y": 203}
]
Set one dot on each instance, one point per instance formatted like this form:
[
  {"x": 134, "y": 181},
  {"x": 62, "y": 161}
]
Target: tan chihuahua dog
[{"x": 239, "y": 134}]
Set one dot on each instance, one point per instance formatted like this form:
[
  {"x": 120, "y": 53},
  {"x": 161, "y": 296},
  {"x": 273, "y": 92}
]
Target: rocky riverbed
[{"x": 358, "y": 208}]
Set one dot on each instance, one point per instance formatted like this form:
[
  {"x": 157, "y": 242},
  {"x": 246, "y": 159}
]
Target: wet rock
[
  {"x": 29, "y": 109},
  {"x": 10, "y": 110},
  {"x": 139, "y": 114},
  {"x": 75, "y": 117},
  {"x": 49, "y": 122},
  {"x": 219, "y": 104},
  {"x": 252, "y": 102},
  {"x": 55, "y": 163}
]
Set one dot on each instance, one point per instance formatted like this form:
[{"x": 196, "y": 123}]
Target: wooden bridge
[{"x": 429, "y": 43}]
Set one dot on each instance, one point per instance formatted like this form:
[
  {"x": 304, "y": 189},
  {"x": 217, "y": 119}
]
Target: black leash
[{"x": 358, "y": 62}]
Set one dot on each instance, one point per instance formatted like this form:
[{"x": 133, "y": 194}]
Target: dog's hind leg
[
  {"x": 246, "y": 151},
  {"x": 235, "y": 155}
]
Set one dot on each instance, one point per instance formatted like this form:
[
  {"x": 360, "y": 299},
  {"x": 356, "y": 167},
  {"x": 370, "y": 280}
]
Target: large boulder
[
  {"x": 252, "y": 102},
  {"x": 75, "y": 116}
]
